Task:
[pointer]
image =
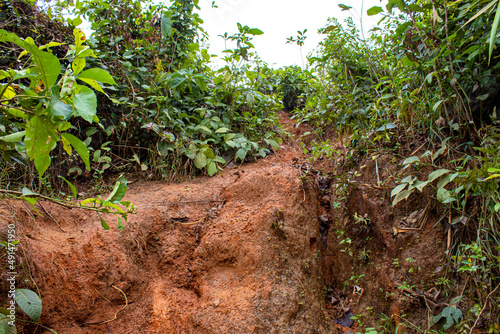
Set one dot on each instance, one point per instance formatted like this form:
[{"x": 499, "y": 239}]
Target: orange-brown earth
[{"x": 260, "y": 248}]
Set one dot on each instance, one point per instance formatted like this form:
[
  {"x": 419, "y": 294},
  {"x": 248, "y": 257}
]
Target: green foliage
[
  {"x": 451, "y": 314},
  {"x": 29, "y": 302},
  {"x": 5, "y": 328},
  {"x": 39, "y": 114}
]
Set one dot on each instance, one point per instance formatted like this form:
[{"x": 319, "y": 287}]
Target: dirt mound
[{"x": 236, "y": 253}]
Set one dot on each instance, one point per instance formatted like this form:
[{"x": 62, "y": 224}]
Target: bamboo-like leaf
[
  {"x": 72, "y": 187},
  {"x": 80, "y": 148},
  {"x": 494, "y": 29},
  {"x": 488, "y": 6}
]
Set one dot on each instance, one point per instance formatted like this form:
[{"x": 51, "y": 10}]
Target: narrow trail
[{"x": 236, "y": 253}]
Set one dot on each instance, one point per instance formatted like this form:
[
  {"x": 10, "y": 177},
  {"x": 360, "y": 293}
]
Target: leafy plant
[
  {"x": 29, "y": 302},
  {"x": 50, "y": 101},
  {"x": 451, "y": 314}
]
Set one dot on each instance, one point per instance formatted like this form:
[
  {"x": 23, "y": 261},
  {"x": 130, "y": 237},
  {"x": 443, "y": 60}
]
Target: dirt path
[{"x": 237, "y": 253}]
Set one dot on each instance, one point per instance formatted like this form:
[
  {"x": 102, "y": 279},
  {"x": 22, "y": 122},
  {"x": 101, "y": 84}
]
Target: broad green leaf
[
  {"x": 444, "y": 196},
  {"x": 255, "y": 31},
  {"x": 4, "y": 74},
  {"x": 386, "y": 127},
  {"x": 26, "y": 192},
  {"x": 78, "y": 65},
  {"x": 191, "y": 151},
  {"x": 13, "y": 137},
  {"x": 209, "y": 153},
  {"x": 18, "y": 113},
  {"x": 89, "y": 201},
  {"x": 446, "y": 179},
  {"x": 219, "y": 160},
  {"x": 250, "y": 98},
  {"x": 403, "y": 195},
  {"x": 492, "y": 177},
  {"x": 47, "y": 65},
  {"x": 40, "y": 139},
  {"x": 63, "y": 126},
  {"x": 67, "y": 146},
  {"x": 29, "y": 196},
  {"x": 204, "y": 128},
  {"x": 71, "y": 186},
  {"x": 5, "y": 328},
  {"x": 273, "y": 144},
  {"x": 79, "y": 39},
  {"x": 222, "y": 130},
  {"x": 229, "y": 136},
  {"x": 398, "y": 189},
  {"x": 56, "y": 107},
  {"x": 97, "y": 74},
  {"x": 200, "y": 161},
  {"x": 439, "y": 152},
  {"x": 77, "y": 21},
  {"x": 86, "y": 52},
  {"x": 411, "y": 160},
  {"x": 241, "y": 153},
  {"x": 374, "y": 10},
  {"x": 437, "y": 173},
  {"x": 8, "y": 93},
  {"x": 166, "y": 26},
  {"x": 120, "y": 224},
  {"x": 29, "y": 302},
  {"x": 177, "y": 81},
  {"x": 118, "y": 192},
  {"x": 212, "y": 168},
  {"x": 419, "y": 185},
  {"x": 104, "y": 224},
  {"x": 94, "y": 84},
  {"x": 429, "y": 77},
  {"x": 85, "y": 103},
  {"x": 344, "y": 7},
  {"x": 109, "y": 205},
  {"x": 79, "y": 147}
]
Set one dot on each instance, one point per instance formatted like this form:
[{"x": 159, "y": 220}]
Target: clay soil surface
[
  {"x": 236, "y": 253},
  {"x": 273, "y": 246}
]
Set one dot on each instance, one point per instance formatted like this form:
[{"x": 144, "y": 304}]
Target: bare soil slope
[
  {"x": 236, "y": 253},
  {"x": 275, "y": 246}
]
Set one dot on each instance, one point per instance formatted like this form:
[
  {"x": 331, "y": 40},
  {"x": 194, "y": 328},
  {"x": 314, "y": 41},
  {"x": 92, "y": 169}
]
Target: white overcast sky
[{"x": 279, "y": 19}]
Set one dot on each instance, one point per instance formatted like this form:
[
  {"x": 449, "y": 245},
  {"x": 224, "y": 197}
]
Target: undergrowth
[{"x": 138, "y": 96}]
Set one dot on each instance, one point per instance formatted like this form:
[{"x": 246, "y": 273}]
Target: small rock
[{"x": 323, "y": 218}]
